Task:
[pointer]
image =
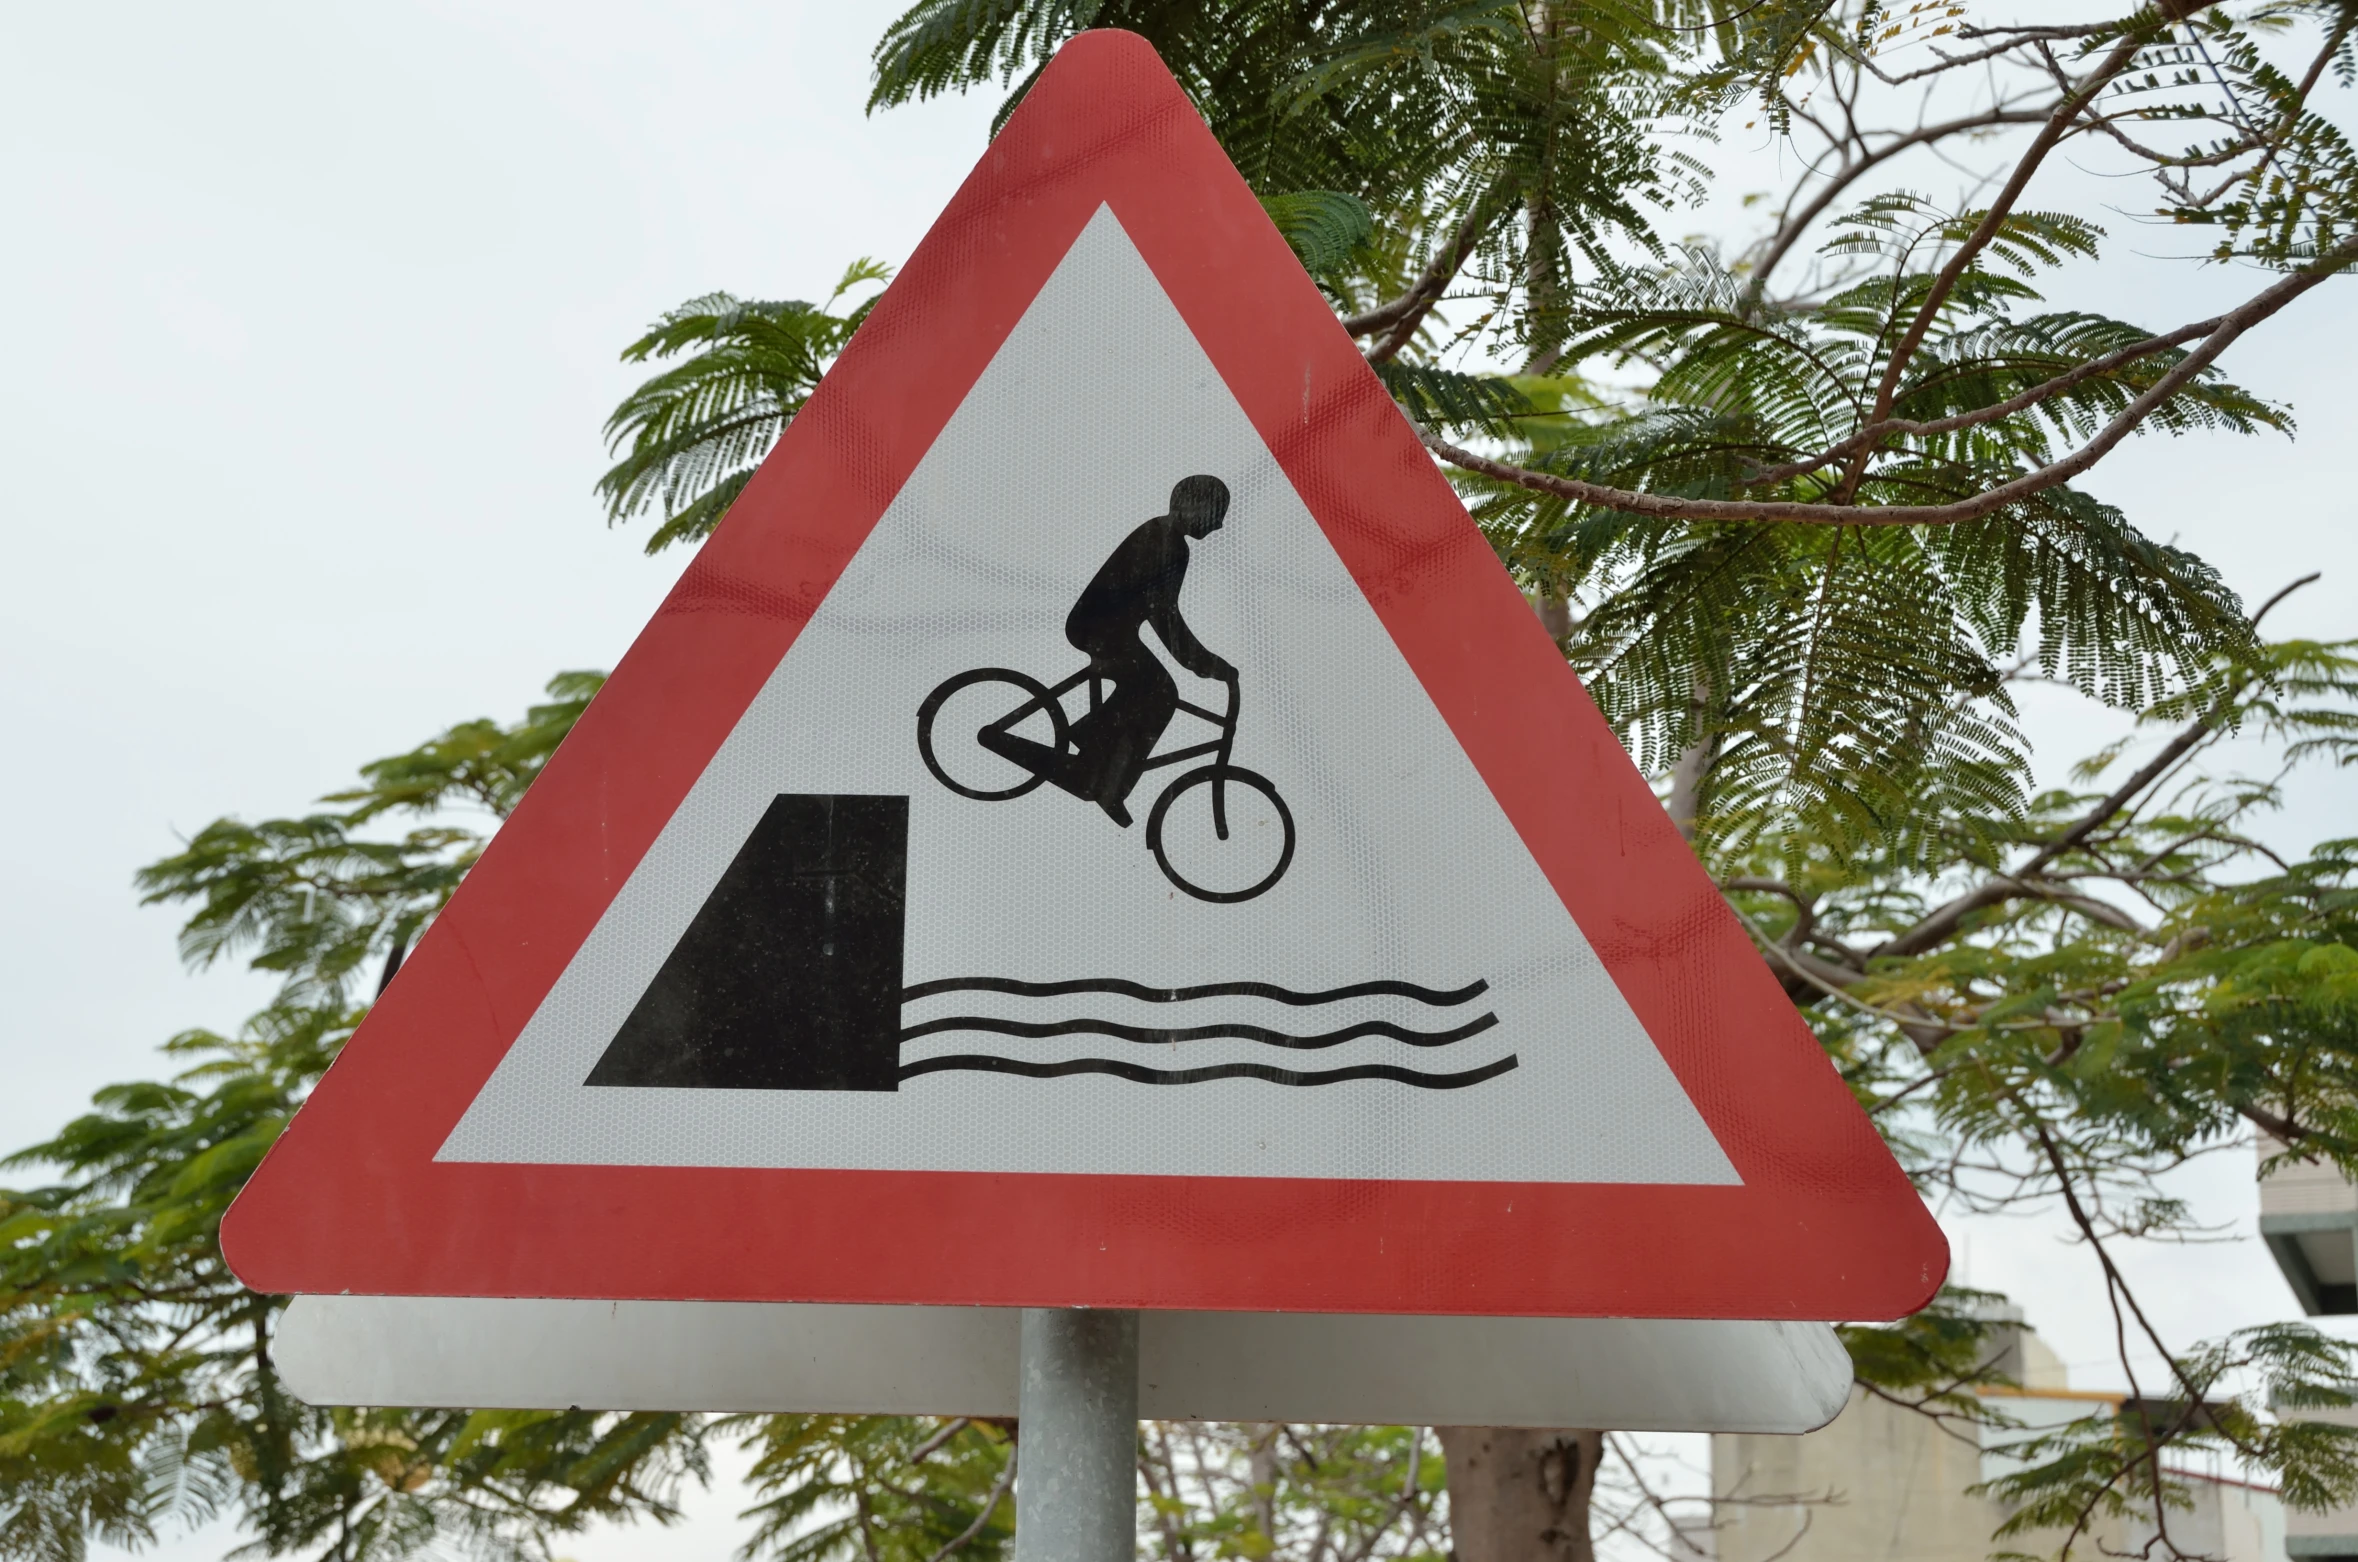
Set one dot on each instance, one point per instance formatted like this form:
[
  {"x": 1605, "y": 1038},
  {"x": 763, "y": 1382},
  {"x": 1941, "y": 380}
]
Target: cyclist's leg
[
  {"x": 1038, "y": 758},
  {"x": 1117, "y": 738},
  {"x": 1067, "y": 768}
]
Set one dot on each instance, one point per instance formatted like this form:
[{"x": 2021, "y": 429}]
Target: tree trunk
[
  {"x": 1261, "y": 1473},
  {"x": 1693, "y": 766},
  {"x": 1518, "y": 1495},
  {"x": 1685, "y": 803}
]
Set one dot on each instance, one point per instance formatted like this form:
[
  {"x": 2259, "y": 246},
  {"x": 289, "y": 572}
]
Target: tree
[
  {"x": 135, "y": 1373},
  {"x": 2058, "y": 1005},
  {"x": 1798, "y": 559},
  {"x": 690, "y": 437}
]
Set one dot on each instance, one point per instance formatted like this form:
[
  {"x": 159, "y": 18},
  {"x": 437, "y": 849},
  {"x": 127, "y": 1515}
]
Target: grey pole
[{"x": 1077, "y": 1482}]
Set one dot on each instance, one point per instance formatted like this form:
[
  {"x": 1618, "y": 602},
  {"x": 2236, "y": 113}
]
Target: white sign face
[{"x": 1372, "y": 920}]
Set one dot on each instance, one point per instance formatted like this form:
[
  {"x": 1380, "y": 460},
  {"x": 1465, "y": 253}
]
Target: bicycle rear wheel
[
  {"x": 1260, "y": 827},
  {"x": 985, "y": 772}
]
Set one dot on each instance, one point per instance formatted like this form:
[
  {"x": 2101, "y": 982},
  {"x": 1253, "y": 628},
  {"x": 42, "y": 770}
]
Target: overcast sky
[{"x": 315, "y": 321}]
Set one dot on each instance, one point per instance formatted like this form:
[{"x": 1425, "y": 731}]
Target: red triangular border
[{"x": 1824, "y": 1225}]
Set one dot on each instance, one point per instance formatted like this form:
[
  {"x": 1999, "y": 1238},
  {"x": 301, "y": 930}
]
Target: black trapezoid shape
[{"x": 789, "y": 975}]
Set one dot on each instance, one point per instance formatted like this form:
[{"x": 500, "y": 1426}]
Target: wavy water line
[
  {"x": 1196, "y": 1076},
  {"x": 1384, "y": 989},
  {"x": 1154, "y": 1036}
]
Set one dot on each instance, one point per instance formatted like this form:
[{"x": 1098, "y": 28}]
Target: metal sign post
[{"x": 1076, "y": 1486}]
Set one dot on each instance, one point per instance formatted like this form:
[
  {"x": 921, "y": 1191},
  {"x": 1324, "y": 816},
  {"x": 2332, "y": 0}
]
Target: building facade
[{"x": 1884, "y": 1483}]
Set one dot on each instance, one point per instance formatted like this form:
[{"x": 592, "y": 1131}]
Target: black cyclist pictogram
[{"x": 1219, "y": 832}]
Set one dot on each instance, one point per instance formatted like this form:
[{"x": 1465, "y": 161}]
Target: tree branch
[
  {"x": 2230, "y": 327},
  {"x": 2058, "y": 125},
  {"x": 2023, "y": 402},
  {"x": 2019, "y": 37},
  {"x": 1793, "y": 227},
  {"x": 2120, "y": 1284},
  {"x": 2283, "y": 1129},
  {"x": 948, "y": 1430},
  {"x": 1401, "y": 317},
  {"x": 1942, "y": 924}
]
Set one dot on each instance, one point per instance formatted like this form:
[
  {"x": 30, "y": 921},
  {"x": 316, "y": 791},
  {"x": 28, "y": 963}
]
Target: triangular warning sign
[{"x": 1096, "y": 825}]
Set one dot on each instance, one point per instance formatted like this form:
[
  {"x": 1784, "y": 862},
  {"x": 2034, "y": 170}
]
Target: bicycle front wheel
[
  {"x": 1213, "y": 863},
  {"x": 955, "y": 715}
]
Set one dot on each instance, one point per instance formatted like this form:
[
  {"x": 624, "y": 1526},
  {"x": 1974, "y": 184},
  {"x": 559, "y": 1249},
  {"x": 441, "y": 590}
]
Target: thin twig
[
  {"x": 1426, "y": 290},
  {"x": 990, "y": 1505},
  {"x": 949, "y": 1430}
]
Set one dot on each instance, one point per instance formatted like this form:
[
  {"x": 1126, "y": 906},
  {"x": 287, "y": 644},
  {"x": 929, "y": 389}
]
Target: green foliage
[
  {"x": 135, "y": 1378},
  {"x": 1430, "y": 116},
  {"x": 316, "y": 898},
  {"x": 1371, "y": 133},
  {"x": 1322, "y": 1494},
  {"x": 2299, "y": 201},
  {"x": 1387, "y": 103},
  {"x": 1446, "y": 398},
  {"x": 2112, "y": 1464},
  {"x": 1840, "y": 675},
  {"x": 1324, "y": 227},
  {"x": 2231, "y": 1002},
  {"x": 945, "y": 47},
  {"x": 2049, "y": 1007},
  {"x": 1934, "y": 1361},
  {"x": 880, "y": 1488},
  {"x": 1837, "y": 678},
  {"x": 478, "y": 764},
  {"x": 2256, "y": 1014},
  {"x": 690, "y": 437}
]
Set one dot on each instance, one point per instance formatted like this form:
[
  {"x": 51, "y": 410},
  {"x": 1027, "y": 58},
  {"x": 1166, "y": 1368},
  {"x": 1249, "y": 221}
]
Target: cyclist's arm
[{"x": 1185, "y": 648}]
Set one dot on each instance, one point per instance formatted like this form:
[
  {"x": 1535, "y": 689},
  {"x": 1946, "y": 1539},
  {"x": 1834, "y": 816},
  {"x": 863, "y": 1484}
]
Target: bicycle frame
[{"x": 1219, "y": 748}]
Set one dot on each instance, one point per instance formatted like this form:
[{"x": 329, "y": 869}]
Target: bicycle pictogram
[
  {"x": 1101, "y": 754},
  {"x": 1022, "y": 698}
]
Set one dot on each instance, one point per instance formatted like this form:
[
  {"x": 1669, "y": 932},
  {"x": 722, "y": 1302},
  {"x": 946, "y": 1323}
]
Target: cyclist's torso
[{"x": 1141, "y": 579}]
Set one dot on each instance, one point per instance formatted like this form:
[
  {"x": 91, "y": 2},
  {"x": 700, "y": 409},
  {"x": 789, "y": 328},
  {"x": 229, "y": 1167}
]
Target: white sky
[{"x": 316, "y": 320}]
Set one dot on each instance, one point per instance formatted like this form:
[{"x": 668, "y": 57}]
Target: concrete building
[
  {"x": 1887, "y": 1484},
  {"x": 2331, "y": 1536},
  {"x": 2309, "y": 1219}
]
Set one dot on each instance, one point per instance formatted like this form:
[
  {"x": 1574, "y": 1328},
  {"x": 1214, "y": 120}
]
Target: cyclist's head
[{"x": 1199, "y": 504}]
